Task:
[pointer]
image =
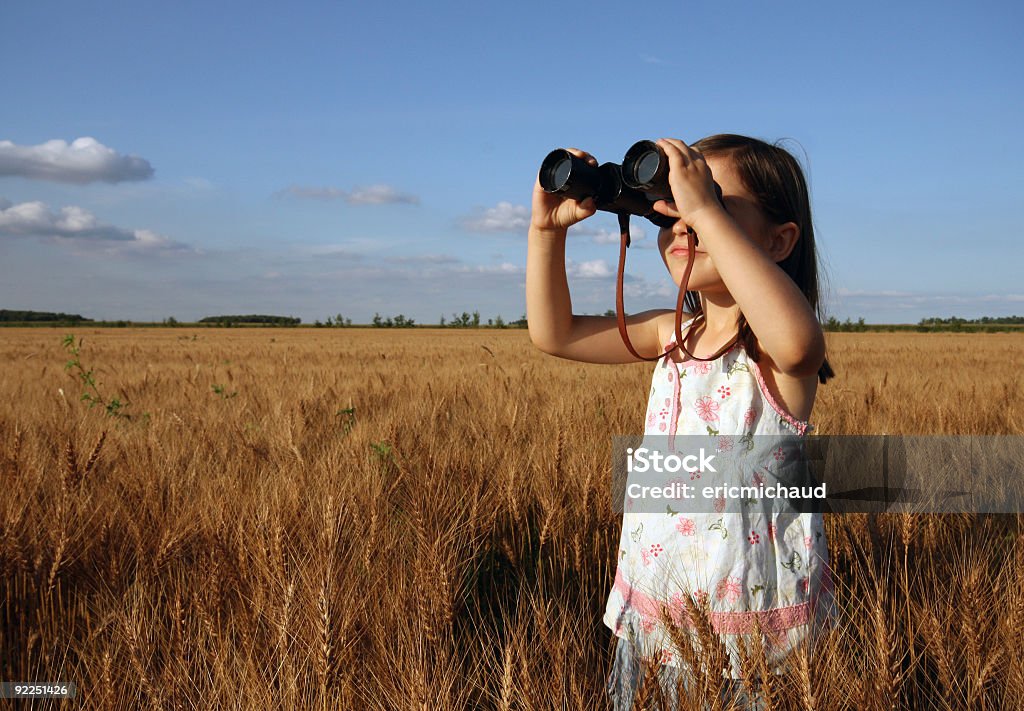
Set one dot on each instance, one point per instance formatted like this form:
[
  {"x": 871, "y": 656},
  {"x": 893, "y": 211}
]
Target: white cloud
[
  {"x": 605, "y": 235},
  {"x": 651, "y": 59},
  {"x": 590, "y": 269},
  {"x": 369, "y": 195},
  {"x": 335, "y": 252},
  {"x": 198, "y": 184},
  {"x": 424, "y": 259},
  {"x": 503, "y": 217},
  {"x": 78, "y": 226},
  {"x": 380, "y": 195},
  {"x": 84, "y": 160},
  {"x": 842, "y": 291},
  {"x": 503, "y": 268},
  {"x": 912, "y": 300},
  {"x": 640, "y": 288}
]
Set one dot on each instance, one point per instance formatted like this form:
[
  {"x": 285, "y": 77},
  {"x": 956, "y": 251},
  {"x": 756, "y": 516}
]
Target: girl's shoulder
[{"x": 666, "y": 322}]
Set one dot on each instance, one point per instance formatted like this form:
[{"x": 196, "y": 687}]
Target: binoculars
[
  {"x": 631, "y": 188},
  {"x": 628, "y": 189}
]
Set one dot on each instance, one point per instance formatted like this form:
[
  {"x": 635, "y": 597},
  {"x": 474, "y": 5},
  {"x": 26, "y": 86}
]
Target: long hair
[{"x": 774, "y": 177}]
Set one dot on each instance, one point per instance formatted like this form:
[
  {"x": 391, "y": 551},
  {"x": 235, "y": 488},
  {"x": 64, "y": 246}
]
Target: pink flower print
[
  {"x": 670, "y": 376},
  {"x": 702, "y": 368},
  {"x": 701, "y": 597},
  {"x": 724, "y": 444},
  {"x": 729, "y": 589},
  {"x": 656, "y": 549},
  {"x": 662, "y": 426},
  {"x": 686, "y": 527},
  {"x": 748, "y": 417},
  {"x": 666, "y": 656},
  {"x": 645, "y": 557},
  {"x": 707, "y": 409},
  {"x": 720, "y": 504},
  {"x": 803, "y": 584},
  {"x": 779, "y": 454},
  {"x": 758, "y": 478},
  {"x": 650, "y": 419},
  {"x": 646, "y": 623},
  {"x": 754, "y": 537},
  {"x": 724, "y": 392},
  {"x": 807, "y": 542},
  {"x": 694, "y": 475},
  {"x": 771, "y": 532}
]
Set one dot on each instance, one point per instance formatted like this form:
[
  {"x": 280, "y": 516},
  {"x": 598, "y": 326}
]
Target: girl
[{"x": 753, "y": 283}]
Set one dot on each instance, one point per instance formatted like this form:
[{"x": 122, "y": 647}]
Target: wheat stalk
[
  {"x": 1014, "y": 620},
  {"x": 803, "y": 673},
  {"x": 682, "y": 641},
  {"x": 140, "y": 669},
  {"x": 108, "y": 678},
  {"x": 12, "y": 453},
  {"x": 760, "y": 682},
  {"x": 284, "y": 621},
  {"x": 325, "y": 651},
  {"x": 71, "y": 473},
  {"x": 62, "y": 538},
  {"x": 506, "y": 678},
  {"x": 885, "y": 677},
  {"x": 713, "y": 657},
  {"x": 936, "y": 640},
  {"x": 95, "y": 453}
]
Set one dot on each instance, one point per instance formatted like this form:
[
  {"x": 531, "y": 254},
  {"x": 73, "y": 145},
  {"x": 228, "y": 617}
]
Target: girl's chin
[{"x": 695, "y": 284}]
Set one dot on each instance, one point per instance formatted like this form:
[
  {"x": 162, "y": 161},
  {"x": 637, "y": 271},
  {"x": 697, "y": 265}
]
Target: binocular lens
[
  {"x": 555, "y": 171},
  {"x": 646, "y": 167},
  {"x": 560, "y": 172}
]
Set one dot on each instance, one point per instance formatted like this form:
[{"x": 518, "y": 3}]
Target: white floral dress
[{"x": 765, "y": 563}]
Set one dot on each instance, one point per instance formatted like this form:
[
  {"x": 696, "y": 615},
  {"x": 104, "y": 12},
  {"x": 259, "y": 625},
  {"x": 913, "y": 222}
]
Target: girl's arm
[
  {"x": 775, "y": 308},
  {"x": 786, "y": 326},
  {"x": 553, "y": 326}
]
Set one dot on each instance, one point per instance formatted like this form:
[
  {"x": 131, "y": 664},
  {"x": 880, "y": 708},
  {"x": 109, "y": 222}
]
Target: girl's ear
[{"x": 782, "y": 240}]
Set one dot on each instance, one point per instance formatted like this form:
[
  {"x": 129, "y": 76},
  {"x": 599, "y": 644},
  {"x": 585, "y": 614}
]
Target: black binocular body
[{"x": 631, "y": 188}]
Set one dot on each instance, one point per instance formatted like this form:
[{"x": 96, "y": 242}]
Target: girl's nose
[{"x": 680, "y": 228}]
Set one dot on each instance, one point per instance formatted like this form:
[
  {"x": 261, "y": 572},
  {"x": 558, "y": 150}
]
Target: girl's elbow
[
  {"x": 805, "y": 356},
  {"x": 545, "y": 345}
]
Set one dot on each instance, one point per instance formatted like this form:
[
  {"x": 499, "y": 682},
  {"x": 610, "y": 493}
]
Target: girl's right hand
[{"x": 555, "y": 213}]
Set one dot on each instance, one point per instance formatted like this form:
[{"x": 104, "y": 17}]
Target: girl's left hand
[{"x": 691, "y": 182}]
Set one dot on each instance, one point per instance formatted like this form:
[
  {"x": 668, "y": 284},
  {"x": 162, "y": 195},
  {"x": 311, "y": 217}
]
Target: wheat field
[{"x": 421, "y": 519}]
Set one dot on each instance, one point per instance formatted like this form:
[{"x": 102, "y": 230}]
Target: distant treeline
[
  {"x": 7, "y": 316},
  {"x": 467, "y": 320},
  {"x": 472, "y": 319},
  {"x": 985, "y": 324},
  {"x": 984, "y": 320},
  {"x": 253, "y": 318}
]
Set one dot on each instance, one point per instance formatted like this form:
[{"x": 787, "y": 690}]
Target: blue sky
[{"x": 189, "y": 159}]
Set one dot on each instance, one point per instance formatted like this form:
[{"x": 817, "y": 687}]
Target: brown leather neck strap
[{"x": 620, "y": 312}]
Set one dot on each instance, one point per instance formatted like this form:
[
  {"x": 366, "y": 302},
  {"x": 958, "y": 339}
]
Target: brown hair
[{"x": 774, "y": 177}]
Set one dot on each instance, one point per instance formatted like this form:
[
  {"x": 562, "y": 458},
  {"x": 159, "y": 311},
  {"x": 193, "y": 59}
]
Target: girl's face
[{"x": 743, "y": 208}]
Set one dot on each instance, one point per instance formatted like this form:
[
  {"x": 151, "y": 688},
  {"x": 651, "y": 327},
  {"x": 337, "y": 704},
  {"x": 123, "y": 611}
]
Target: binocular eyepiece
[{"x": 632, "y": 187}]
